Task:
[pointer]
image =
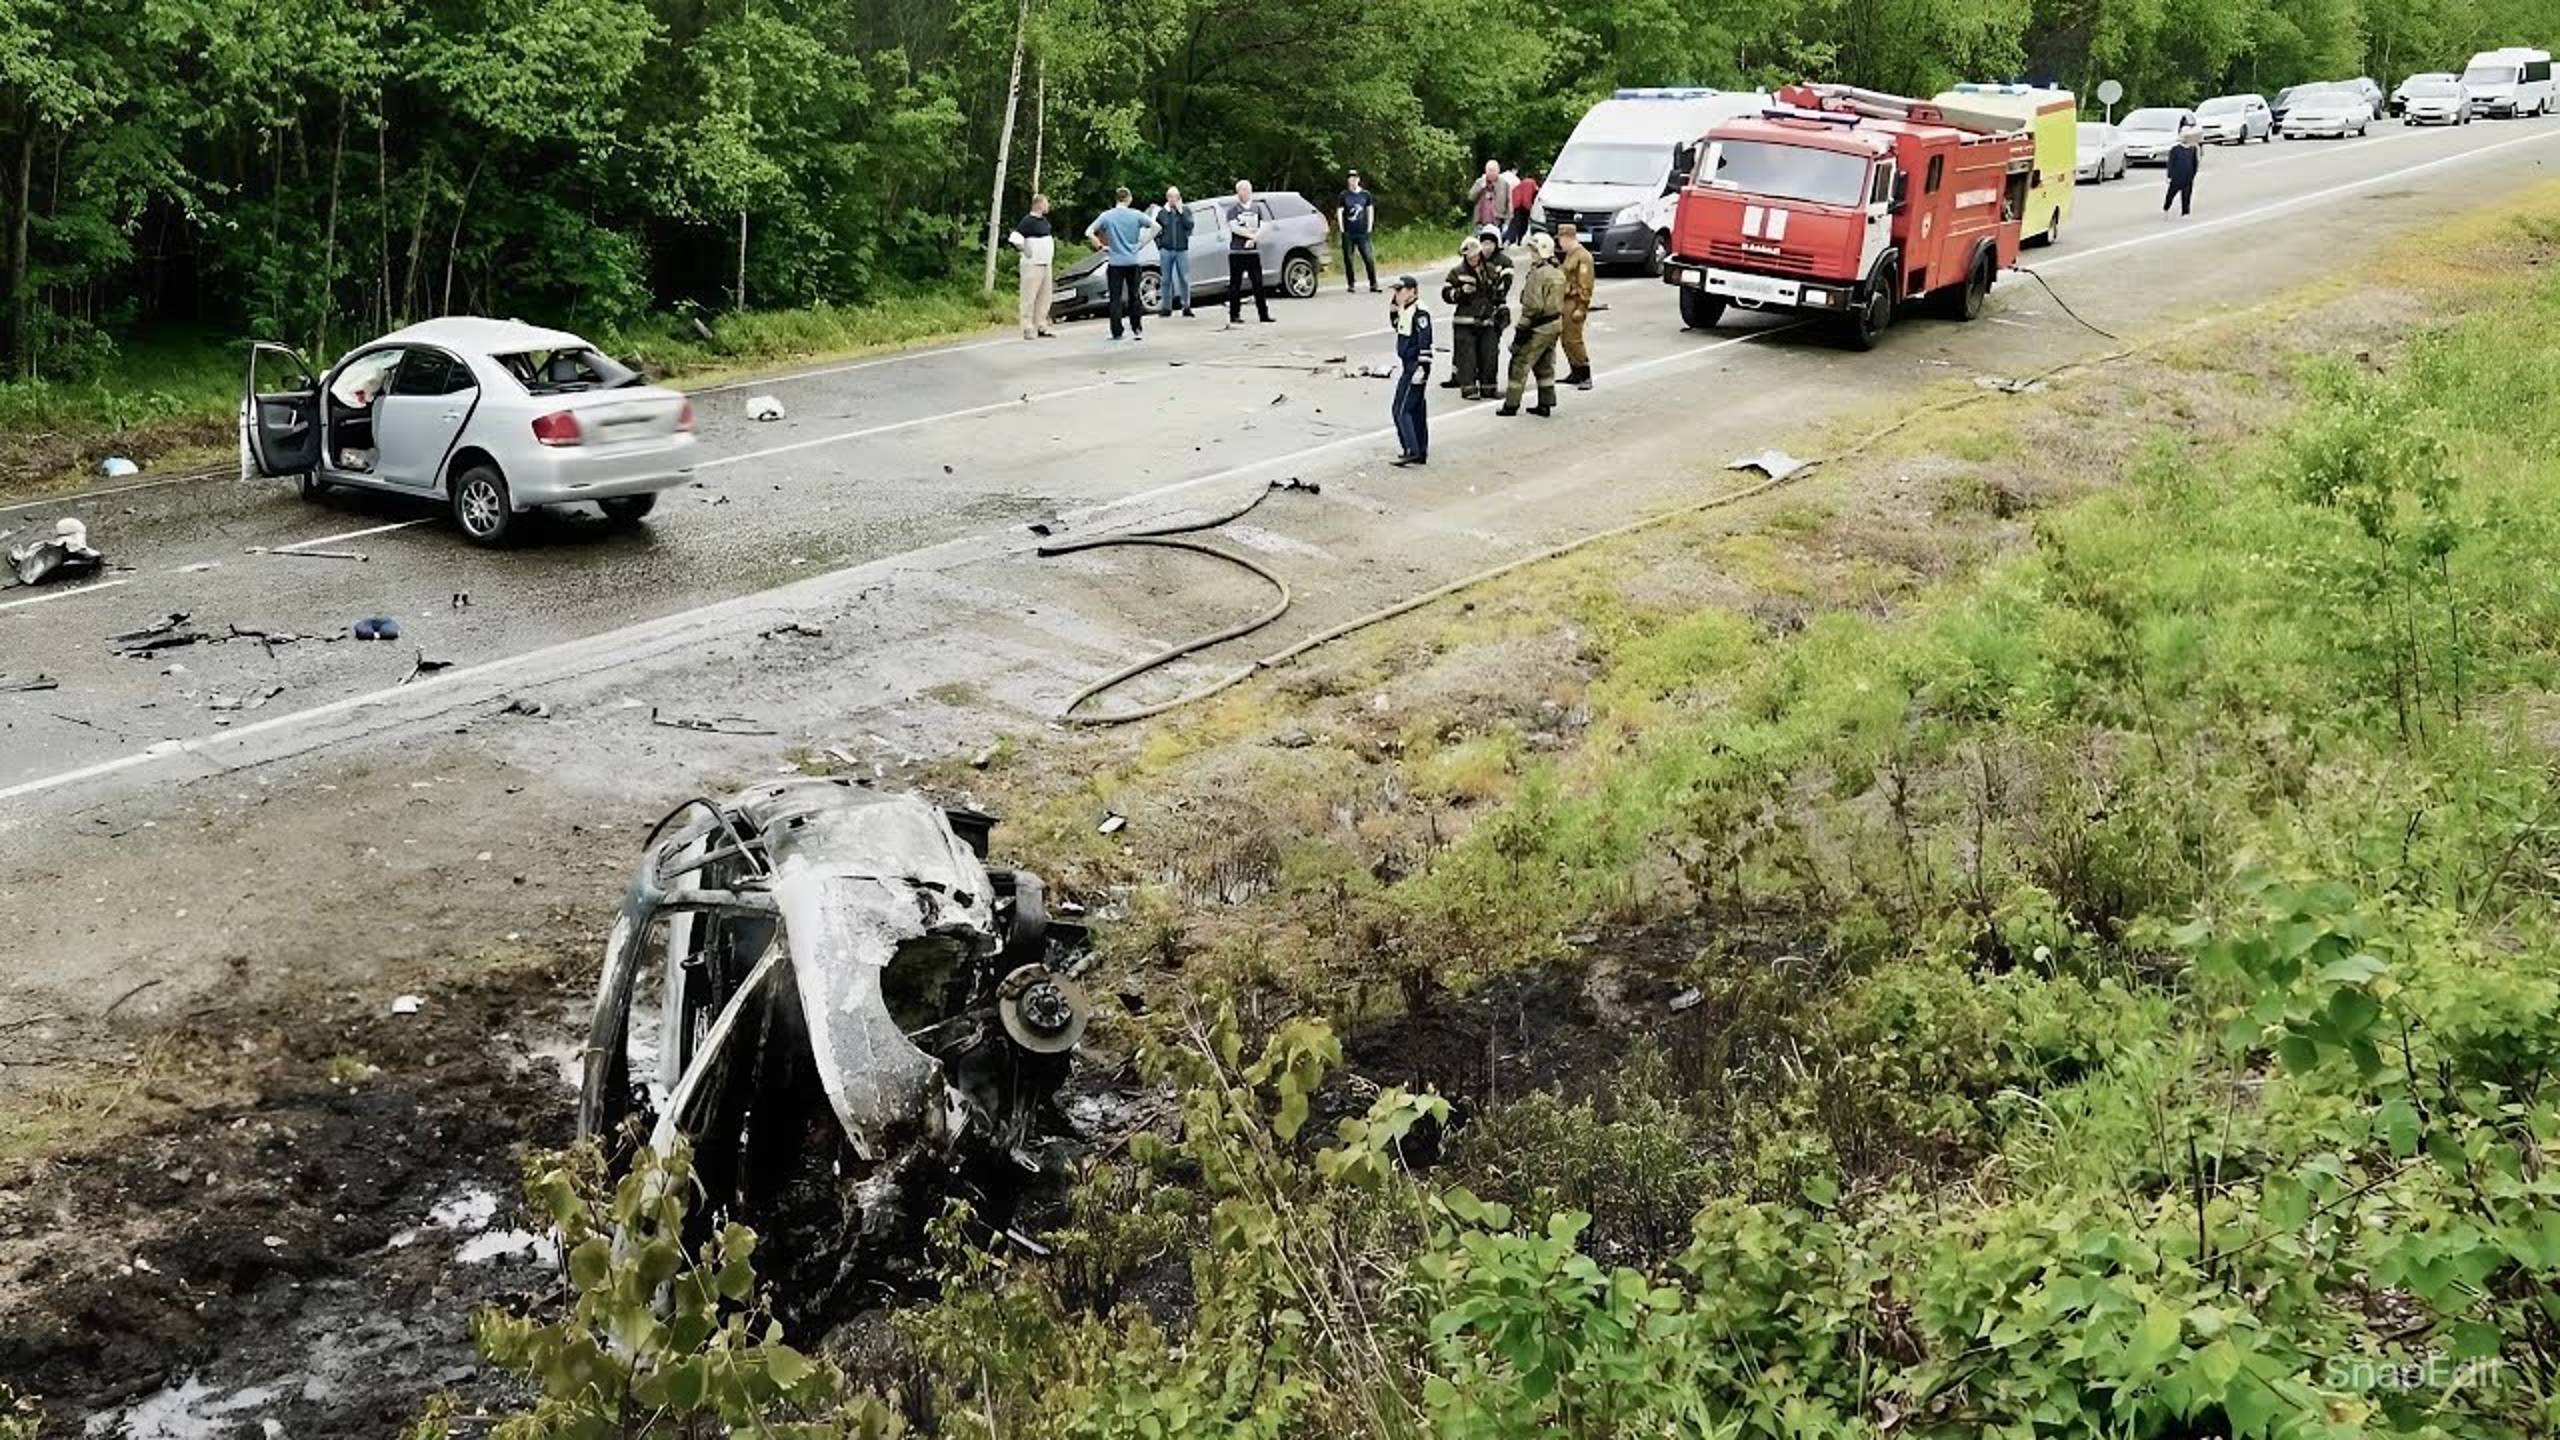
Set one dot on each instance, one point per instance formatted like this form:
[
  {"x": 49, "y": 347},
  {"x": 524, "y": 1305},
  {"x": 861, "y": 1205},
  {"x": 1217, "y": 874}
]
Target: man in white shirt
[
  {"x": 1244, "y": 257},
  {"x": 1037, "y": 239}
]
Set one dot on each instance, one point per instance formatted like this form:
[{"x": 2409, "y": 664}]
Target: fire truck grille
[{"x": 1725, "y": 252}]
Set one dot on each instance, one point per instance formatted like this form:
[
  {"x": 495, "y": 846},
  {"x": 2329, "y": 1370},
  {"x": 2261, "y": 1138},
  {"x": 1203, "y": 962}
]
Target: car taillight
[
  {"x": 684, "y": 418},
  {"x": 560, "y": 427}
]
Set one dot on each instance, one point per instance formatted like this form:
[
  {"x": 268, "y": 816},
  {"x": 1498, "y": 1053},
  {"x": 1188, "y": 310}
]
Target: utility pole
[
  {"x": 1039, "y": 117},
  {"x": 1004, "y": 141}
]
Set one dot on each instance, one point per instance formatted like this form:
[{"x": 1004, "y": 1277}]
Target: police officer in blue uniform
[{"x": 1411, "y": 405}]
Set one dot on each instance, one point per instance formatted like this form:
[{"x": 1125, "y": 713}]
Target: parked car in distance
[
  {"x": 2101, "y": 153},
  {"x": 2400, "y": 95},
  {"x": 2236, "y": 119},
  {"x": 492, "y": 417},
  {"x": 2149, "y": 134},
  {"x": 1294, "y": 256},
  {"x": 2511, "y": 83},
  {"x": 2435, "y": 102},
  {"x": 2334, "y": 110},
  {"x": 2366, "y": 86}
]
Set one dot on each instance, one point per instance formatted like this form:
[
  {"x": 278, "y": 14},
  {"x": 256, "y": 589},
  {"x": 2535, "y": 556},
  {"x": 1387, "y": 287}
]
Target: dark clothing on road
[
  {"x": 1355, "y": 238},
  {"x": 2184, "y": 161},
  {"x": 1410, "y": 406},
  {"x": 1475, "y": 292},
  {"x": 1173, "y": 228},
  {"x": 1122, "y": 281},
  {"x": 1244, "y": 262}
]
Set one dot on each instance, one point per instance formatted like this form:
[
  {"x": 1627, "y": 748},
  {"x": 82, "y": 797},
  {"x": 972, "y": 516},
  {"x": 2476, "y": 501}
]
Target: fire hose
[{"x": 1167, "y": 538}]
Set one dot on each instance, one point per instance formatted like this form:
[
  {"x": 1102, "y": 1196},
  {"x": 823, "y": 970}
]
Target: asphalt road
[{"x": 900, "y": 456}]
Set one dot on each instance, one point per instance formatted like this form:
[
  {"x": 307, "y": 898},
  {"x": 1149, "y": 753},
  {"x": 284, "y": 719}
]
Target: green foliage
[
  {"x": 655, "y": 1338},
  {"x": 20, "y": 1418}
]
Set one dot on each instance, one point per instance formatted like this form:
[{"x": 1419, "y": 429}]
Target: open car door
[{"x": 282, "y": 423}]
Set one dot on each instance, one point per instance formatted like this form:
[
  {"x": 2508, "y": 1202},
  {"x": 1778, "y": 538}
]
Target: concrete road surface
[{"x": 931, "y": 462}]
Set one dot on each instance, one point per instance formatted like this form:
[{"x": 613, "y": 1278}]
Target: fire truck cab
[{"x": 1850, "y": 204}]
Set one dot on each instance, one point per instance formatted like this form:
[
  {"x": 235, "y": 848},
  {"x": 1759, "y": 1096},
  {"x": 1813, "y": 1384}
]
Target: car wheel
[
  {"x": 1866, "y": 324},
  {"x": 1661, "y": 255},
  {"x": 1298, "y": 277},
  {"x": 1700, "y": 311},
  {"x": 310, "y": 486},
  {"x": 1150, "y": 290},
  {"x": 482, "y": 507},
  {"x": 628, "y": 509}
]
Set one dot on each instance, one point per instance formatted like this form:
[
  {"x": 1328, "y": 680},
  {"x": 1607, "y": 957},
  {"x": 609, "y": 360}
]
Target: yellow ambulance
[{"x": 2053, "y": 117}]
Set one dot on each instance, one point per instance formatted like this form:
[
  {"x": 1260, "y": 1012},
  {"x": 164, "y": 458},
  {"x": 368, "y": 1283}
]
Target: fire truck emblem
[{"x": 1925, "y": 218}]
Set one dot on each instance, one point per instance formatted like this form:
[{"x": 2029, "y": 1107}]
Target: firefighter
[
  {"x": 1497, "y": 315},
  {"x": 1470, "y": 304},
  {"x": 1573, "y": 259},
  {"x": 1533, "y": 345},
  {"x": 1410, "y": 406}
]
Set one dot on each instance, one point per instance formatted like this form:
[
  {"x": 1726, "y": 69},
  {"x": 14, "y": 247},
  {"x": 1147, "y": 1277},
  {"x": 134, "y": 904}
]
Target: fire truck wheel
[
  {"x": 1964, "y": 302},
  {"x": 1700, "y": 312},
  {"x": 1865, "y": 325}
]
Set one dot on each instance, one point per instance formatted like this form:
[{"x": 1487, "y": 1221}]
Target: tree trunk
[
  {"x": 329, "y": 231},
  {"x": 382, "y": 211},
  {"x": 1039, "y": 118},
  {"x": 1004, "y": 141},
  {"x": 453, "y": 243},
  {"x": 21, "y": 326},
  {"x": 418, "y": 234},
  {"x": 742, "y": 261}
]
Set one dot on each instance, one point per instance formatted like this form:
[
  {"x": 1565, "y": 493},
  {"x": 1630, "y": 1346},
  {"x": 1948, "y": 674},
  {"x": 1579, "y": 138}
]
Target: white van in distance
[
  {"x": 1620, "y": 176},
  {"x": 2510, "y": 82}
]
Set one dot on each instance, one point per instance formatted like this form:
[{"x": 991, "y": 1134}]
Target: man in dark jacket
[
  {"x": 1173, "y": 255},
  {"x": 1410, "y": 407},
  {"x": 1474, "y": 293},
  {"x": 2184, "y": 159}
]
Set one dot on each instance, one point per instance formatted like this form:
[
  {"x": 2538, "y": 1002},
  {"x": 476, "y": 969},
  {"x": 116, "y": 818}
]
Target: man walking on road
[
  {"x": 1173, "y": 255},
  {"x": 1244, "y": 258},
  {"x": 1355, "y": 215},
  {"x": 1524, "y": 196},
  {"x": 1410, "y": 406},
  {"x": 1581, "y": 279},
  {"x": 1123, "y": 231},
  {"x": 1491, "y": 197},
  {"x": 1037, "y": 239},
  {"x": 2185, "y": 158},
  {"x": 1533, "y": 345}
]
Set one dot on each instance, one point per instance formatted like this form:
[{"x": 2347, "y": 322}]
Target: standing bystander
[
  {"x": 1037, "y": 239},
  {"x": 1173, "y": 255},
  {"x": 1356, "y": 215},
  {"x": 1122, "y": 231},
  {"x": 1244, "y": 257}
]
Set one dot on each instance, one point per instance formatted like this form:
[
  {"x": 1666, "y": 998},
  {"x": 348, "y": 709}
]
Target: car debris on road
[
  {"x": 764, "y": 407},
  {"x": 66, "y": 554},
  {"x": 1776, "y": 464}
]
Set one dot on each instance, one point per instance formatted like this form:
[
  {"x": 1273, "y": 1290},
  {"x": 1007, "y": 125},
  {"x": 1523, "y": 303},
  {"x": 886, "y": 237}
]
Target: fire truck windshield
[{"x": 1787, "y": 172}]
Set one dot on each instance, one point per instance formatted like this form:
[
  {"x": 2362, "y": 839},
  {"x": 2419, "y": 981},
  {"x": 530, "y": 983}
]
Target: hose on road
[{"x": 1163, "y": 538}]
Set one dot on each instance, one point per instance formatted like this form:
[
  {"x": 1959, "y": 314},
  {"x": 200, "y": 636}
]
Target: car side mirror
[{"x": 1901, "y": 194}]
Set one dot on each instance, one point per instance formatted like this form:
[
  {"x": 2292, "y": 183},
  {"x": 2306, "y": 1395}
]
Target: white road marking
[
  {"x": 359, "y": 534},
  {"x": 773, "y": 598},
  {"x": 63, "y": 594},
  {"x": 894, "y": 426},
  {"x": 851, "y": 366}
]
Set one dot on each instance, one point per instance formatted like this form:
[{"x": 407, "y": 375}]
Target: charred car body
[{"x": 854, "y": 1009}]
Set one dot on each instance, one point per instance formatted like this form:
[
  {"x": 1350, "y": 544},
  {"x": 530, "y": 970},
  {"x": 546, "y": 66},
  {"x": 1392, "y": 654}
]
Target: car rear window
[
  {"x": 1289, "y": 207},
  {"x": 564, "y": 371}
]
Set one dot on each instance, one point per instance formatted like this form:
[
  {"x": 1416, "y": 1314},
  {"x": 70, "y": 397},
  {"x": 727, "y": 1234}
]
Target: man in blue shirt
[
  {"x": 1124, "y": 231},
  {"x": 1410, "y": 406},
  {"x": 1356, "y": 217}
]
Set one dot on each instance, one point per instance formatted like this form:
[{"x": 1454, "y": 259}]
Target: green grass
[{"x": 181, "y": 375}]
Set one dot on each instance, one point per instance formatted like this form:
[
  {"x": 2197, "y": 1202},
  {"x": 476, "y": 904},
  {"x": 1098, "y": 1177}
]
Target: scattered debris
[
  {"x": 1373, "y": 370},
  {"x": 267, "y": 640},
  {"x": 461, "y": 599},
  {"x": 65, "y": 555},
  {"x": 425, "y": 666},
  {"x": 1112, "y": 823},
  {"x": 162, "y": 634},
  {"x": 356, "y": 555},
  {"x": 709, "y": 725},
  {"x": 1046, "y": 527},
  {"x": 764, "y": 407},
  {"x": 407, "y": 1004},
  {"x": 32, "y": 682},
  {"x": 117, "y": 467},
  {"x": 162, "y": 626},
  {"x": 536, "y": 709},
  {"x": 2007, "y": 386},
  {"x": 1776, "y": 464},
  {"x": 983, "y": 758},
  {"x": 1280, "y": 399},
  {"x": 253, "y": 702},
  {"x": 796, "y": 627},
  {"x": 1308, "y": 487},
  {"x": 377, "y": 627},
  {"x": 1293, "y": 739},
  {"x": 1688, "y": 999}
]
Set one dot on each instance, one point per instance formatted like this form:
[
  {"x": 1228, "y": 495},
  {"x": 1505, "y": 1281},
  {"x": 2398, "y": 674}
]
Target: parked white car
[
  {"x": 2435, "y": 102},
  {"x": 2236, "y": 119},
  {"x": 2329, "y": 110},
  {"x": 2400, "y": 94},
  {"x": 2150, "y": 134},
  {"x": 493, "y": 417},
  {"x": 2102, "y": 155}
]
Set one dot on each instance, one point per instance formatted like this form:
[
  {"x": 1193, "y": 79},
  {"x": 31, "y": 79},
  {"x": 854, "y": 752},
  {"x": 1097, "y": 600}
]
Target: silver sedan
[
  {"x": 492, "y": 417},
  {"x": 2102, "y": 153}
]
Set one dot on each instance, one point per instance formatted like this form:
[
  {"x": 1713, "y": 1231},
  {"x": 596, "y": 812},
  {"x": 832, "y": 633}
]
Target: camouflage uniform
[
  {"x": 1581, "y": 278},
  {"x": 1533, "y": 345}
]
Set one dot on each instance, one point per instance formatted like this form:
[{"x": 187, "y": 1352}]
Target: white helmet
[{"x": 1542, "y": 246}]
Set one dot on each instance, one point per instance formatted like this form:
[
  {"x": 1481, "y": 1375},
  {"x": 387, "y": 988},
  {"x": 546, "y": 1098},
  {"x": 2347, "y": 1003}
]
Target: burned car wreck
[{"x": 855, "y": 1015}]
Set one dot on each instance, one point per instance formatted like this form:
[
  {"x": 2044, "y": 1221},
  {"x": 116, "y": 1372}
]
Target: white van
[
  {"x": 1620, "y": 175},
  {"x": 2510, "y": 82}
]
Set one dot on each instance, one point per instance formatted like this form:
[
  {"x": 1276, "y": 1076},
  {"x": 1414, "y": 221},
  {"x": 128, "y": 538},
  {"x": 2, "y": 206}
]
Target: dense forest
[{"x": 304, "y": 166}]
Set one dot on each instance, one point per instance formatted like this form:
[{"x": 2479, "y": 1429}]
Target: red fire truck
[{"x": 1849, "y": 203}]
